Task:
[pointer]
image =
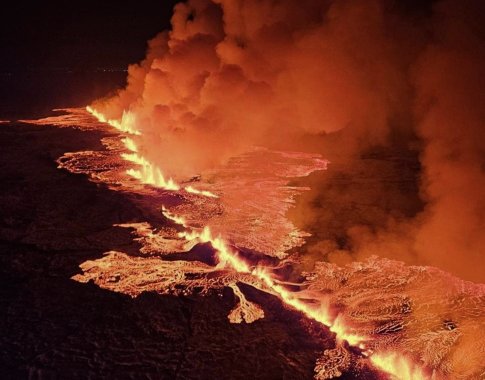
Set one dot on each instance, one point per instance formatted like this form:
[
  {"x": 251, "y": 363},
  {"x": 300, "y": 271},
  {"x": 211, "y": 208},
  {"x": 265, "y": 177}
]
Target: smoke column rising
[{"x": 234, "y": 74}]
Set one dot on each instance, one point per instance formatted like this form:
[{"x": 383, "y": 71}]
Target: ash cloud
[{"x": 337, "y": 77}]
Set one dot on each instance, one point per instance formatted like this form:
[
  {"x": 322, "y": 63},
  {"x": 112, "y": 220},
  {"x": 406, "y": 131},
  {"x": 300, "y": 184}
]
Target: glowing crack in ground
[{"x": 411, "y": 322}]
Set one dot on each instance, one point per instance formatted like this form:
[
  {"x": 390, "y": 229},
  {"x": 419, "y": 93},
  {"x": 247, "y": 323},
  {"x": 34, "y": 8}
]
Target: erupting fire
[
  {"x": 149, "y": 173},
  {"x": 225, "y": 255},
  {"x": 129, "y": 144},
  {"x": 174, "y": 218},
  {"x": 206, "y": 193},
  {"x": 126, "y": 124},
  {"x": 228, "y": 258},
  {"x": 398, "y": 366},
  {"x": 230, "y": 120}
]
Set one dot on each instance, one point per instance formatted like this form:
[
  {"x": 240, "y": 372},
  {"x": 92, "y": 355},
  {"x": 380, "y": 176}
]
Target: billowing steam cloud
[
  {"x": 237, "y": 73},
  {"x": 356, "y": 73},
  {"x": 451, "y": 121}
]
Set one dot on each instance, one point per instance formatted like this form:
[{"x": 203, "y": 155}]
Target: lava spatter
[{"x": 147, "y": 173}]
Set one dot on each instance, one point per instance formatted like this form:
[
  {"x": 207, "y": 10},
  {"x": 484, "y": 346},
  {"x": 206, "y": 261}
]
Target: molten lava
[
  {"x": 148, "y": 173},
  {"x": 227, "y": 257},
  {"x": 395, "y": 316},
  {"x": 398, "y": 366},
  {"x": 205, "y": 193},
  {"x": 126, "y": 124}
]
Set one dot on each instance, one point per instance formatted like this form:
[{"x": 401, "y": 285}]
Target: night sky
[
  {"x": 79, "y": 34},
  {"x": 87, "y": 34},
  {"x": 58, "y": 54}
]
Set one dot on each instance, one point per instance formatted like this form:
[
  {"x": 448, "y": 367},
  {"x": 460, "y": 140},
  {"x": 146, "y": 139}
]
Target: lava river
[{"x": 227, "y": 228}]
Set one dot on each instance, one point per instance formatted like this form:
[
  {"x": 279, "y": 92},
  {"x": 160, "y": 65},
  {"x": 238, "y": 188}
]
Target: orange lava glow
[
  {"x": 174, "y": 218},
  {"x": 129, "y": 144},
  {"x": 148, "y": 173},
  {"x": 228, "y": 258},
  {"x": 205, "y": 193},
  {"x": 321, "y": 314},
  {"x": 126, "y": 124},
  {"x": 398, "y": 366}
]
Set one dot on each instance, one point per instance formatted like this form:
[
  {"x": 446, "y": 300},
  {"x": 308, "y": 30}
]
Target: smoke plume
[
  {"x": 450, "y": 111},
  {"x": 342, "y": 78}
]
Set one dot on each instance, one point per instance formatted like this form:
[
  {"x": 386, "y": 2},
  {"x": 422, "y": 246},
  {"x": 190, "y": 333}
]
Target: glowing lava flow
[
  {"x": 174, "y": 218},
  {"x": 127, "y": 123},
  {"x": 205, "y": 193},
  {"x": 129, "y": 144},
  {"x": 397, "y": 366},
  {"x": 227, "y": 257},
  {"x": 149, "y": 173}
]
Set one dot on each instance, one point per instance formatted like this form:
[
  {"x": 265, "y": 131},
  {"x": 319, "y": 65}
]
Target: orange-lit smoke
[
  {"x": 448, "y": 111},
  {"x": 234, "y": 74},
  {"x": 450, "y": 78},
  {"x": 358, "y": 73}
]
